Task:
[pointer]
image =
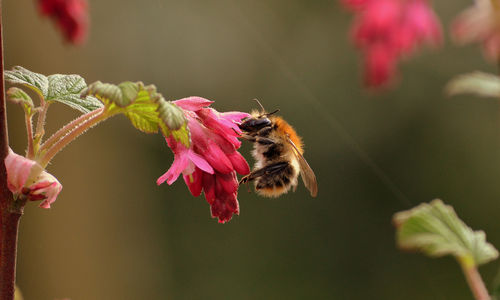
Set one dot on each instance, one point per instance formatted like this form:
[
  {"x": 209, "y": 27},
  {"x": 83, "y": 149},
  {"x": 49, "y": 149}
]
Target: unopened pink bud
[{"x": 26, "y": 177}]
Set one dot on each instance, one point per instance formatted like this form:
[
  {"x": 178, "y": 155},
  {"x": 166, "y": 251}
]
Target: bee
[{"x": 278, "y": 152}]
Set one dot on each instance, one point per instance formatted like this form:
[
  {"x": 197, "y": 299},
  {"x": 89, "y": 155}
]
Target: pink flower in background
[
  {"x": 479, "y": 23},
  {"x": 211, "y": 162},
  {"x": 387, "y": 30},
  {"x": 27, "y": 178},
  {"x": 70, "y": 15}
]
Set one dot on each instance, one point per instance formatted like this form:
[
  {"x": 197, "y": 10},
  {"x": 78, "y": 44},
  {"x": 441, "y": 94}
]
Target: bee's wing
[{"x": 306, "y": 172}]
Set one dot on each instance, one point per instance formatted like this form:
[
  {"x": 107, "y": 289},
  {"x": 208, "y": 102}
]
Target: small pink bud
[{"x": 26, "y": 177}]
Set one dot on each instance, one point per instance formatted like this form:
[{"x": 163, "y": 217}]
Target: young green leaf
[
  {"x": 67, "y": 88},
  {"x": 18, "y": 96},
  {"x": 171, "y": 114},
  {"x": 57, "y": 88},
  {"x": 476, "y": 83},
  {"x": 146, "y": 109},
  {"x": 436, "y": 230},
  {"x": 37, "y": 82}
]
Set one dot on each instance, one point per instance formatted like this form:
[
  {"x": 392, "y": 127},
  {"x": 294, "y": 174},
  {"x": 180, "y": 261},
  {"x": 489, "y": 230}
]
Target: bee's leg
[
  {"x": 269, "y": 169},
  {"x": 260, "y": 140},
  {"x": 265, "y": 141},
  {"x": 248, "y": 137},
  {"x": 264, "y": 132}
]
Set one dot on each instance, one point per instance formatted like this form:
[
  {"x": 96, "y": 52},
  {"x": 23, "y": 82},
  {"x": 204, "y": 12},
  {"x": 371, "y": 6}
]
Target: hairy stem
[
  {"x": 68, "y": 128},
  {"x": 40, "y": 131},
  {"x": 474, "y": 279},
  {"x": 68, "y": 138},
  {"x": 29, "y": 132}
]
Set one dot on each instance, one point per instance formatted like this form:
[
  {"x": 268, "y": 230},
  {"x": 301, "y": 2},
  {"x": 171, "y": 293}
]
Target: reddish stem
[
  {"x": 10, "y": 224},
  {"x": 473, "y": 278}
]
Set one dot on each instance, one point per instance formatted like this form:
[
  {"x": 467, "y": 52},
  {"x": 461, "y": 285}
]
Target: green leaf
[
  {"x": 171, "y": 115},
  {"x": 142, "y": 111},
  {"x": 476, "y": 83},
  {"x": 67, "y": 88},
  {"x": 435, "y": 229},
  {"x": 19, "y": 75},
  {"x": 146, "y": 109},
  {"x": 57, "y": 88},
  {"x": 18, "y": 96}
]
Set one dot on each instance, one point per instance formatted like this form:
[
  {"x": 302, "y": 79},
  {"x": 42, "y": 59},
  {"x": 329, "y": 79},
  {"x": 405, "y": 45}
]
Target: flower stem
[
  {"x": 29, "y": 132},
  {"x": 68, "y": 128},
  {"x": 72, "y": 135},
  {"x": 474, "y": 279},
  {"x": 40, "y": 131}
]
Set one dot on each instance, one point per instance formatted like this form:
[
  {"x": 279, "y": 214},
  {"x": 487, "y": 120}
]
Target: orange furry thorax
[{"x": 286, "y": 129}]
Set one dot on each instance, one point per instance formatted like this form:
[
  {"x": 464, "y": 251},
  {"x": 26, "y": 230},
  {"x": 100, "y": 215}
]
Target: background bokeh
[{"x": 114, "y": 234}]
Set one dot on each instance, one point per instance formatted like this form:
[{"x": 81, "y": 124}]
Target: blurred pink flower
[
  {"x": 211, "y": 162},
  {"x": 387, "y": 30},
  {"x": 26, "y": 177},
  {"x": 70, "y": 15},
  {"x": 480, "y": 23}
]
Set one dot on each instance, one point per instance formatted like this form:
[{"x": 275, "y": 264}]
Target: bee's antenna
[
  {"x": 272, "y": 113},
  {"x": 262, "y": 107}
]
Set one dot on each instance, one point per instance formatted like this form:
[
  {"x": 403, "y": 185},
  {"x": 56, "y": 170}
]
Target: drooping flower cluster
[
  {"x": 70, "y": 15},
  {"x": 480, "y": 23},
  {"x": 28, "y": 179},
  {"x": 212, "y": 160},
  {"x": 387, "y": 30}
]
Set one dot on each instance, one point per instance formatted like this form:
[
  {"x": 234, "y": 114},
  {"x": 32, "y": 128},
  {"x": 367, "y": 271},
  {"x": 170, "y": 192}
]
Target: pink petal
[
  {"x": 192, "y": 103},
  {"x": 234, "y": 116},
  {"x": 217, "y": 158},
  {"x": 225, "y": 128},
  {"x": 19, "y": 169},
  {"x": 423, "y": 22},
  {"x": 200, "y": 162},
  {"x": 491, "y": 47},
  {"x": 224, "y": 208},
  {"x": 380, "y": 66},
  {"x": 46, "y": 186},
  {"x": 194, "y": 182},
  {"x": 51, "y": 193},
  {"x": 379, "y": 18},
  {"x": 209, "y": 187},
  {"x": 179, "y": 164},
  {"x": 239, "y": 163},
  {"x": 226, "y": 183}
]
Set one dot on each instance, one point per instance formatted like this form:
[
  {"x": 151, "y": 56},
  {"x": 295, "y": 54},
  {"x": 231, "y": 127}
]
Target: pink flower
[
  {"x": 387, "y": 30},
  {"x": 26, "y": 178},
  {"x": 479, "y": 23},
  {"x": 211, "y": 162},
  {"x": 70, "y": 15}
]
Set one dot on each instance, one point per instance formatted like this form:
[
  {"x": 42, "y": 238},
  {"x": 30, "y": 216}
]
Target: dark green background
[{"x": 113, "y": 234}]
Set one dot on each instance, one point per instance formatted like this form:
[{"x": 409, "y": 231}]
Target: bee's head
[{"x": 258, "y": 119}]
